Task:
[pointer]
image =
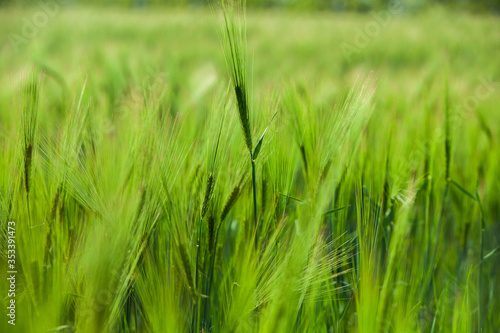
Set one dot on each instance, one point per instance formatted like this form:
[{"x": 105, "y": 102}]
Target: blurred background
[
  {"x": 326, "y": 45},
  {"x": 301, "y": 5}
]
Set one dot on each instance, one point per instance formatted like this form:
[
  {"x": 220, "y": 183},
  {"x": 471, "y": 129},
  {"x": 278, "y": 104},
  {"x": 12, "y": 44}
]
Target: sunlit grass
[{"x": 368, "y": 203}]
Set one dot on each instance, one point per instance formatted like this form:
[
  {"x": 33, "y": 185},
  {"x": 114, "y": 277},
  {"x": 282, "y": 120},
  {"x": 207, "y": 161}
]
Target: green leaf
[
  {"x": 335, "y": 210},
  {"x": 259, "y": 144},
  {"x": 463, "y": 190},
  {"x": 491, "y": 253},
  {"x": 60, "y": 328},
  {"x": 293, "y": 198}
]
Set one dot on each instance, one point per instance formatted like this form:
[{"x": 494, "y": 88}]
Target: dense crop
[{"x": 285, "y": 207}]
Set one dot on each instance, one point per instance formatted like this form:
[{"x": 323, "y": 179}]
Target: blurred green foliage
[
  {"x": 298, "y": 5},
  {"x": 130, "y": 106}
]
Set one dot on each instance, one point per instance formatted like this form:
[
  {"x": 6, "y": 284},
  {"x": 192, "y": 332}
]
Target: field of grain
[{"x": 185, "y": 170}]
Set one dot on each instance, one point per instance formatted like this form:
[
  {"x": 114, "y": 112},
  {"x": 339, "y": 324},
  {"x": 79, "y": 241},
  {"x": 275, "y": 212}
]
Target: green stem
[
  {"x": 481, "y": 321},
  {"x": 208, "y": 286},
  {"x": 254, "y": 190},
  {"x": 197, "y": 255},
  {"x": 436, "y": 240},
  {"x": 196, "y": 306},
  {"x": 28, "y": 206}
]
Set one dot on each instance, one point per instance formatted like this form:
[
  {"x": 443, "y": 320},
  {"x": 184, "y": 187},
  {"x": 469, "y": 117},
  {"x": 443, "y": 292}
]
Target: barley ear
[
  {"x": 29, "y": 116},
  {"x": 230, "y": 202},
  {"x": 186, "y": 267},
  {"x": 447, "y": 141},
  {"x": 208, "y": 194},
  {"x": 235, "y": 54},
  {"x": 211, "y": 233}
]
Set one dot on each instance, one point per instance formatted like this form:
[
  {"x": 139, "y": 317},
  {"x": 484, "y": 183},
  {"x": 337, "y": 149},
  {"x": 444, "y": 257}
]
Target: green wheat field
[{"x": 229, "y": 170}]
